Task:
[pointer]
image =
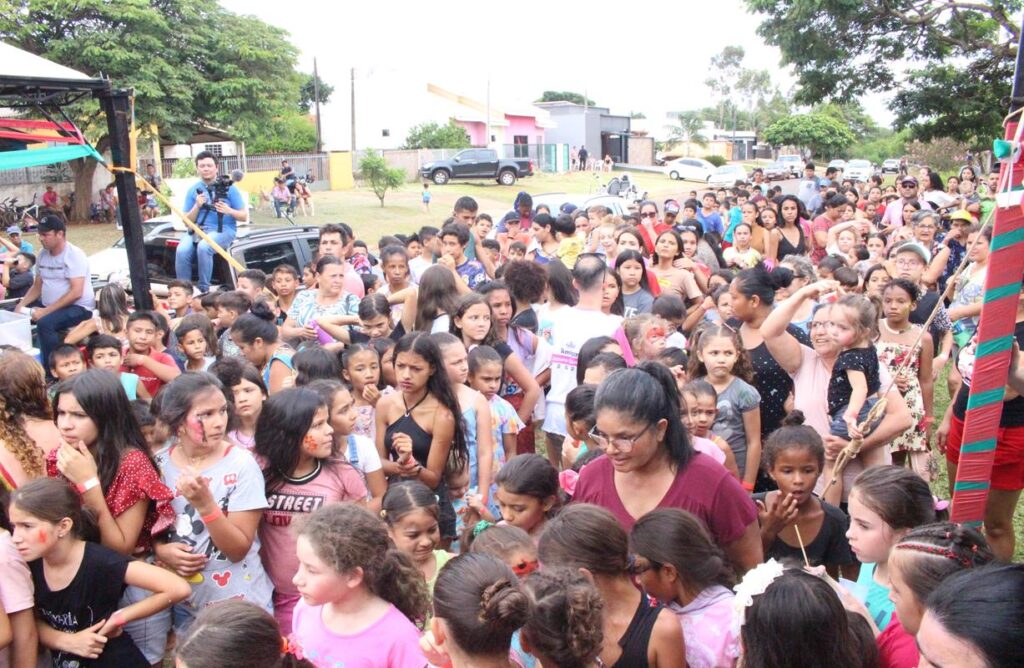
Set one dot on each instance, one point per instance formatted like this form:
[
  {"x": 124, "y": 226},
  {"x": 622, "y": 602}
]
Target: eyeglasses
[
  {"x": 686, "y": 228},
  {"x": 623, "y": 445},
  {"x": 637, "y": 568},
  {"x": 908, "y": 185},
  {"x": 649, "y": 214},
  {"x": 908, "y": 263},
  {"x": 524, "y": 568}
]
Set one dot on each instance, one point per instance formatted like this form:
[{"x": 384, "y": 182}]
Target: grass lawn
[{"x": 403, "y": 212}]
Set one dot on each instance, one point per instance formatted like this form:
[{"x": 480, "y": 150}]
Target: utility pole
[
  {"x": 316, "y": 99},
  {"x": 353, "y": 100}
]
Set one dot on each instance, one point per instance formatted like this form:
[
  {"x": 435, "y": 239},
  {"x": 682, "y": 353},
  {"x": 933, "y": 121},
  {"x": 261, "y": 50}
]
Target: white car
[
  {"x": 689, "y": 169},
  {"x": 858, "y": 170},
  {"x": 838, "y": 164},
  {"x": 793, "y": 162},
  {"x": 111, "y": 264},
  {"x": 891, "y": 165},
  {"x": 726, "y": 176}
]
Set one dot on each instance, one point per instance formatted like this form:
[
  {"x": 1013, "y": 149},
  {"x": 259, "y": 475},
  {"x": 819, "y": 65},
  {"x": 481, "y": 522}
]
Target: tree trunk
[{"x": 83, "y": 170}]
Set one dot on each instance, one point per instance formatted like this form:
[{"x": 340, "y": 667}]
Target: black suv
[{"x": 254, "y": 248}]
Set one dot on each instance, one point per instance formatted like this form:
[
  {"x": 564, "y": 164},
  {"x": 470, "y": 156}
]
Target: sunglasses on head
[
  {"x": 524, "y": 568},
  {"x": 649, "y": 214}
]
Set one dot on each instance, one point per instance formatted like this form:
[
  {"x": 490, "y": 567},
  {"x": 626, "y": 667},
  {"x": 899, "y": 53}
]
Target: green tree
[
  {"x": 754, "y": 87},
  {"x": 187, "y": 61},
  {"x": 883, "y": 145},
  {"x": 727, "y": 66},
  {"x": 565, "y": 96},
  {"x": 943, "y": 154},
  {"x": 379, "y": 176},
  {"x": 852, "y": 114},
  {"x": 689, "y": 128},
  {"x": 291, "y": 133},
  {"x": 962, "y": 54},
  {"x": 307, "y": 92},
  {"x": 433, "y": 135},
  {"x": 822, "y": 134}
]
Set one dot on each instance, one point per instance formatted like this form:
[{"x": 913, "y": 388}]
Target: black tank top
[
  {"x": 635, "y": 641},
  {"x": 407, "y": 425},
  {"x": 787, "y": 248}
]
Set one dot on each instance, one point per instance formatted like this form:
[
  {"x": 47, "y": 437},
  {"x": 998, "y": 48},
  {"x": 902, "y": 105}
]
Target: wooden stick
[{"x": 800, "y": 539}]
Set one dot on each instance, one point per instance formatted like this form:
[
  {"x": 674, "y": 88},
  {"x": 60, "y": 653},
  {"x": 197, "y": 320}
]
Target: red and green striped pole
[{"x": 995, "y": 332}]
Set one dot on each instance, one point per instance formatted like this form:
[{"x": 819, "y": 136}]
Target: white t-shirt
[
  {"x": 417, "y": 266},
  {"x": 570, "y": 329},
  {"x": 57, "y": 271}
]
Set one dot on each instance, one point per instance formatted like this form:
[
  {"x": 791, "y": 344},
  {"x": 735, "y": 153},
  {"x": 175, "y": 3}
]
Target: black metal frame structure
[{"x": 48, "y": 97}]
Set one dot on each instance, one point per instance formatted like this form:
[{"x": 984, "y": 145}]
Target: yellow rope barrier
[{"x": 143, "y": 184}]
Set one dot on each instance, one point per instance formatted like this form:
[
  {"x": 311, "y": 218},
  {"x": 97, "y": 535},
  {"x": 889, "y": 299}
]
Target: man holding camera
[{"x": 215, "y": 206}]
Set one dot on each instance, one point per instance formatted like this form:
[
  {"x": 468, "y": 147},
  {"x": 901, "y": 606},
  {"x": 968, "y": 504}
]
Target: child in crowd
[
  {"x": 236, "y": 634},
  {"x": 795, "y": 524},
  {"x": 528, "y": 493},
  {"x": 740, "y": 255},
  {"x": 104, "y": 352},
  {"x": 357, "y": 450},
  {"x": 636, "y": 295},
  {"x": 360, "y": 601},
  {"x": 285, "y": 282},
  {"x": 65, "y": 361},
  {"x": 566, "y": 624},
  {"x": 485, "y": 376},
  {"x": 885, "y": 503},
  {"x": 600, "y": 366},
  {"x": 897, "y": 341},
  {"x": 294, "y": 443},
  {"x": 646, "y": 335},
  {"x": 854, "y": 380},
  {"x": 360, "y": 368},
  {"x": 143, "y": 358},
  {"x": 700, "y": 412},
  {"x": 230, "y": 306},
  {"x": 635, "y": 633},
  {"x": 679, "y": 565},
  {"x": 248, "y": 394},
  {"x": 720, "y": 358},
  {"x": 475, "y": 414},
  {"x": 80, "y": 617},
  {"x": 580, "y": 419},
  {"x": 569, "y": 244},
  {"x": 411, "y": 512},
  {"x": 196, "y": 342}
]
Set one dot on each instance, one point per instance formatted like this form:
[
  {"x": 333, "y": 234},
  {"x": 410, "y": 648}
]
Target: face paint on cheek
[
  {"x": 195, "y": 429},
  {"x": 41, "y": 536},
  {"x": 310, "y": 444}
]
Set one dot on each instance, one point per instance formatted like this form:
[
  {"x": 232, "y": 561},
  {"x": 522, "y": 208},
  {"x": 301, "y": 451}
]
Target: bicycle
[{"x": 25, "y": 217}]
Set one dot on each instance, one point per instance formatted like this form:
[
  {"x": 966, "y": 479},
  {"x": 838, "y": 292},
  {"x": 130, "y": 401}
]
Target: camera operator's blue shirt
[{"x": 209, "y": 222}]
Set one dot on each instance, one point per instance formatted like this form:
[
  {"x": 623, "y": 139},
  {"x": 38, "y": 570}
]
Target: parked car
[
  {"x": 477, "y": 163},
  {"x": 838, "y": 164},
  {"x": 891, "y": 166},
  {"x": 794, "y": 162},
  {"x": 618, "y": 205},
  {"x": 858, "y": 170},
  {"x": 776, "y": 171},
  {"x": 726, "y": 176},
  {"x": 254, "y": 248},
  {"x": 111, "y": 264},
  {"x": 689, "y": 169}
]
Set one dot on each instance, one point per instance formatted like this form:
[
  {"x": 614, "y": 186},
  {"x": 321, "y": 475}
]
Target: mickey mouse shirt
[{"x": 236, "y": 483}]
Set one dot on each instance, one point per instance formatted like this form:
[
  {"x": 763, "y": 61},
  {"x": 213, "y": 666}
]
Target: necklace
[{"x": 885, "y": 324}]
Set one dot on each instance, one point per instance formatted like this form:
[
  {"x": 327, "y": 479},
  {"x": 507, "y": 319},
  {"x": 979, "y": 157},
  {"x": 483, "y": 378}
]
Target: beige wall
[{"x": 641, "y": 151}]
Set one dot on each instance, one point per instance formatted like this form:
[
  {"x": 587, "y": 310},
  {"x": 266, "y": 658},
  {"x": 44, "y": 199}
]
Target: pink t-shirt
[
  {"x": 15, "y": 585},
  {"x": 896, "y": 647},
  {"x": 333, "y": 482},
  {"x": 707, "y": 629},
  {"x": 708, "y": 447},
  {"x": 703, "y": 488},
  {"x": 390, "y": 642}
]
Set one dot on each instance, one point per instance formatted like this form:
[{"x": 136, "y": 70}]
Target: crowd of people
[{"x": 546, "y": 438}]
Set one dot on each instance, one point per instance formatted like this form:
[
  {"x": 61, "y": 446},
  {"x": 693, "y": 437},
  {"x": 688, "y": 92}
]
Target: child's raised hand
[
  {"x": 819, "y": 288},
  {"x": 781, "y": 514},
  {"x": 371, "y": 393},
  {"x": 87, "y": 643}
]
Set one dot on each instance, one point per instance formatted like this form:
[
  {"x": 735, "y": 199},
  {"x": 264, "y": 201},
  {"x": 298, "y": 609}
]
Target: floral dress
[{"x": 893, "y": 355}]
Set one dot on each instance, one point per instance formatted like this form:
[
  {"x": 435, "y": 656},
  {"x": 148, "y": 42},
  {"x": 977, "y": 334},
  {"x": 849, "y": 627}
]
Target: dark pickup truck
[
  {"x": 254, "y": 248},
  {"x": 477, "y": 163}
]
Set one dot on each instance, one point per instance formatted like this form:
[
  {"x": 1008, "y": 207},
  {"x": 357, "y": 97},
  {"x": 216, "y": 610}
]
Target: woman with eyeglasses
[
  {"x": 649, "y": 462},
  {"x": 809, "y": 369}
]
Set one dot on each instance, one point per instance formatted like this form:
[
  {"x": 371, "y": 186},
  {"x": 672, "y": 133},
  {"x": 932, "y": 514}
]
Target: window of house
[
  {"x": 520, "y": 146},
  {"x": 216, "y": 149}
]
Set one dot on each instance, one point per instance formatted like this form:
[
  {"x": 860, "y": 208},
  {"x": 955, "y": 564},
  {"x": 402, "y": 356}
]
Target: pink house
[{"x": 520, "y": 126}]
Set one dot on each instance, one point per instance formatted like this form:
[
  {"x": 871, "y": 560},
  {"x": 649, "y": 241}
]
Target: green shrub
[{"x": 715, "y": 160}]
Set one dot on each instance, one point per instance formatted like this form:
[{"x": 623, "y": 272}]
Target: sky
[{"x": 639, "y": 56}]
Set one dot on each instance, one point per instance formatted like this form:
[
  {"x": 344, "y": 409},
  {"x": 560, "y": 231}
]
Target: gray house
[{"x": 602, "y": 132}]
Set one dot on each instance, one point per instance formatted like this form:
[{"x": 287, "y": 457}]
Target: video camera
[{"x": 218, "y": 191}]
